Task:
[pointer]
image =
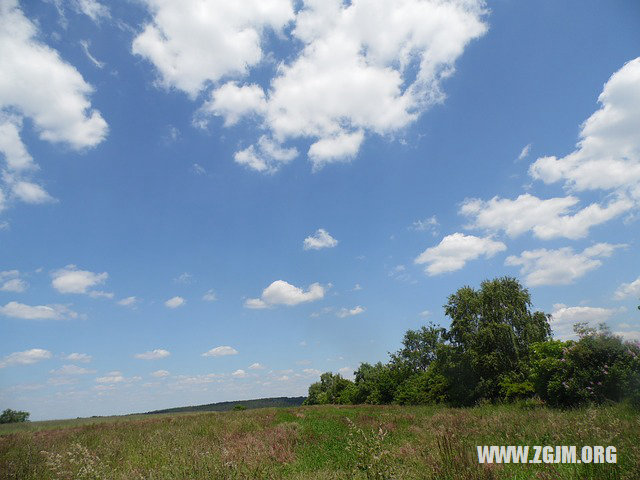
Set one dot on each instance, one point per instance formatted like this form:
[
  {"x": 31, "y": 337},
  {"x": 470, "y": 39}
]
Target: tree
[
  {"x": 419, "y": 349},
  {"x": 14, "y": 416},
  {"x": 490, "y": 336}
]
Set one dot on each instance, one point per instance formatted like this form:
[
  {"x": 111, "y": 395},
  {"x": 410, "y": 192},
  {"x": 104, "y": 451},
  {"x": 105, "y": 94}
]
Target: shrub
[{"x": 13, "y": 416}]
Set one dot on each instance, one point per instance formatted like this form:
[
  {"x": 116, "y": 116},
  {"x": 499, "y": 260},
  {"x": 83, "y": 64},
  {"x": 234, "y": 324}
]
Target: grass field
[{"x": 322, "y": 442}]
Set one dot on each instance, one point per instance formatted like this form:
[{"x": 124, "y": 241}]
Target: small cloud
[
  {"x": 79, "y": 357},
  {"x": 427, "y": 225},
  {"x": 239, "y": 374},
  {"x": 85, "y": 48},
  {"x": 70, "y": 279},
  {"x": 425, "y": 313},
  {"x": 175, "y": 302},
  {"x": 346, "y": 372},
  {"x": 210, "y": 296},
  {"x": 198, "y": 169},
  {"x": 357, "y": 287},
  {"x": 100, "y": 294},
  {"x": 184, "y": 278},
  {"x": 10, "y": 281},
  {"x": 127, "y": 302},
  {"x": 283, "y": 293},
  {"x": 320, "y": 239},
  {"x": 27, "y": 357},
  {"x": 524, "y": 153},
  {"x": 220, "y": 351},
  {"x": 160, "y": 373},
  {"x": 344, "y": 312},
  {"x": 153, "y": 354},
  {"x": 111, "y": 377},
  {"x": 628, "y": 290},
  {"x": 303, "y": 343},
  {"x": 311, "y": 372},
  {"x": 38, "y": 312},
  {"x": 256, "y": 366}
]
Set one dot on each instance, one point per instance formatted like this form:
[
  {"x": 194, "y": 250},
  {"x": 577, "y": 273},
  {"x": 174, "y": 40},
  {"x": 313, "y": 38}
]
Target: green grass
[{"x": 324, "y": 442}]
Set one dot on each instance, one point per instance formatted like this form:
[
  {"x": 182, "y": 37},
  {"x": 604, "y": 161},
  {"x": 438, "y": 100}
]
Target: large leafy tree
[
  {"x": 490, "y": 336},
  {"x": 13, "y": 416}
]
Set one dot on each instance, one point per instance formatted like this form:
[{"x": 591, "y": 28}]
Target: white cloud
[
  {"x": 175, "y": 302},
  {"x": 547, "y": 219},
  {"x": 320, "y": 239},
  {"x": 563, "y": 318},
  {"x": 71, "y": 370},
  {"x": 233, "y": 102},
  {"x": 30, "y": 192},
  {"x": 15, "y": 153},
  {"x": 346, "y": 372},
  {"x": 266, "y": 157},
  {"x": 127, "y": 302},
  {"x": 111, "y": 377},
  {"x": 283, "y": 293},
  {"x": 366, "y": 66},
  {"x": 350, "y": 312},
  {"x": 524, "y": 153},
  {"x": 27, "y": 357},
  {"x": 79, "y": 357},
  {"x": 455, "y": 250},
  {"x": 607, "y": 156},
  {"x": 628, "y": 289},
  {"x": 160, "y": 373},
  {"x": 239, "y": 374},
  {"x": 256, "y": 366},
  {"x": 195, "y": 42},
  {"x": 153, "y": 354},
  {"x": 210, "y": 296},
  {"x": 38, "y": 312},
  {"x": 92, "y": 9},
  {"x": 85, "y": 48},
  {"x": 184, "y": 278},
  {"x": 312, "y": 372},
  {"x": 559, "y": 267},
  {"x": 220, "y": 351},
  {"x": 428, "y": 224},
  {"x": 16, "y": 285},
  {"x": 72, "y": 280},
  {"x": 45, "y": 88}
]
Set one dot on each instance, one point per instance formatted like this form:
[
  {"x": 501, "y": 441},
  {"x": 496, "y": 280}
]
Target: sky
[{"x": 205, "y": 201}]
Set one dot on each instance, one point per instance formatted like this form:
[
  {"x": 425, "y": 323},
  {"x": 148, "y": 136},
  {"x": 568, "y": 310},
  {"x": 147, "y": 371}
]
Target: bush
[{"x": 13, "y": 416}]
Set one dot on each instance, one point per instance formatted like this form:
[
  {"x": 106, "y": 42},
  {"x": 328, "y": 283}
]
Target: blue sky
[{"x": 212, "y": 203}]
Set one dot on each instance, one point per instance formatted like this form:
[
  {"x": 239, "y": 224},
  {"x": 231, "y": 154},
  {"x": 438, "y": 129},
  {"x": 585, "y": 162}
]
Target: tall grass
[{"x": 323, "y": 442}]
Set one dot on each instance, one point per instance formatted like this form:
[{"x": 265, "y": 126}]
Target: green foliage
[
  {"x": 331, "y": 389},
  {"x": 598, "y": 368},
  {"x": 13, "y": 416},
  {"x": 239, "y": 408}
]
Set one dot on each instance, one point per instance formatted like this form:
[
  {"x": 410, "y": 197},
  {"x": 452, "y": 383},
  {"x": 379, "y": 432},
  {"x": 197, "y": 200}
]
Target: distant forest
[{"x": 237, "y": 405}]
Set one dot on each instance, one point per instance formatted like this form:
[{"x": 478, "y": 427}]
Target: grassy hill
[{"x": 320, "y": 442}]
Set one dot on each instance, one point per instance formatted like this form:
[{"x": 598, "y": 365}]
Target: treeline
[
  {"x": 495, "y": 350},
  {"x": 243, "y": 404}
]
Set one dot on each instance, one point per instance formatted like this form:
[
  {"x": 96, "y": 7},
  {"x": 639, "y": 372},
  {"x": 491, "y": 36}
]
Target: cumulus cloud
[
  {"x": 10, "y": 281},
  {"x": 320, "y": 239},
  {"x": 175, "y": 302},
  {"x": 70, "y": 279},
  {"x": 559, "y": 267},
  {"x": 220, "y": 351},
  {"x": 127, "y": 302},
  {"x": 628, "y": 289},
  {"x": 547, "y": 219},
  {"x": 27, "y": 357},
  {"x": 160, "y": 373},
  {"x": 239, "y": 373},
  {"x": 283, "y": 293},
  {"x": 266, "y": 156},
  {"x": 49, "y": 91},
  {"x": 256, "y": 366},
  {"x": 455, "y": 250},
  {"x": 111, "y": 377},
  {"x": 195, "y": 42},
  {"x": 79, "y": 357},
  {"x": 362, "y": 67},
  {"x": 153, "y": 354},
  {"x": 563, "y": 318},
  {"x": 38, "y": 312},
  {"x": 350, "y": 312},
  {"x": 607, "y": 157}
]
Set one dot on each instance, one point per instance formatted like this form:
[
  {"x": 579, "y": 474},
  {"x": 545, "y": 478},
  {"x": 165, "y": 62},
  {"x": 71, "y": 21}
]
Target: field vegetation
[{"x": 320, "y": 442}]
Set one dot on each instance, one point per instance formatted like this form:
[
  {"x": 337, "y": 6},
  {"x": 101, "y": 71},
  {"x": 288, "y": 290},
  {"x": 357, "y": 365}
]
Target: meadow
[{"x": 319, "y": 442}]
